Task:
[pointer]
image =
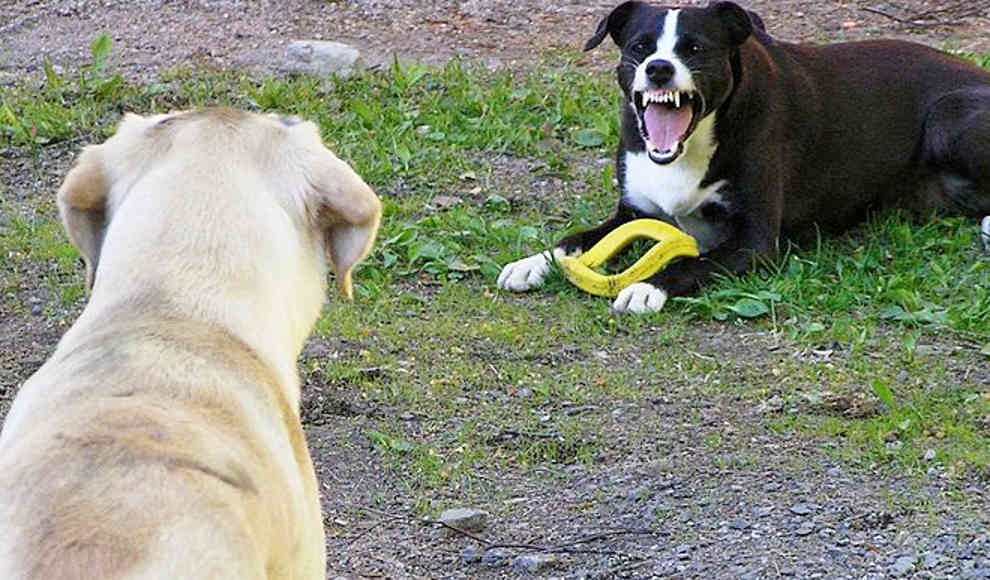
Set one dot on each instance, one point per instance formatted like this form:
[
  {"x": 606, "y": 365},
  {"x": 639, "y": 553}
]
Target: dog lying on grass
[
  {"x": 162, "y": 438},
  {"x": 743, "y": 140}
]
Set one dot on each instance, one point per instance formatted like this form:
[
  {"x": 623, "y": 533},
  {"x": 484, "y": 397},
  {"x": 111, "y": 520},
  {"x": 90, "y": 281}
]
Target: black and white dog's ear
[
  {"x": 614, "y": 24},
  {"x": 737, "y": 21},
  {"x": 757, "y": 20}
]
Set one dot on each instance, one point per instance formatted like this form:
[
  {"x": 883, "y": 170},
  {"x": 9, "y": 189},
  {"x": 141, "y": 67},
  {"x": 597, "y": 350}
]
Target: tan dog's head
[{"x": 320, "y": 192}]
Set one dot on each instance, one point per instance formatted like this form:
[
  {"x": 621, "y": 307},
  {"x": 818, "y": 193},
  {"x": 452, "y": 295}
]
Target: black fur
[{"x": 808, "y": 136}]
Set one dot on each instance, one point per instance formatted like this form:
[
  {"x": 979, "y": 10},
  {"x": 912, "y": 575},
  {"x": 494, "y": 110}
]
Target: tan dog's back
[
  {"x": 162, "y": 439},
  {"x": 124, "y": 467}
]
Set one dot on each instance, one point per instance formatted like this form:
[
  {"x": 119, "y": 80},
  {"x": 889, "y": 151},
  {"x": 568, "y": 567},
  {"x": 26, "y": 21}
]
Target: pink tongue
[{"x": 666, "y": 125}]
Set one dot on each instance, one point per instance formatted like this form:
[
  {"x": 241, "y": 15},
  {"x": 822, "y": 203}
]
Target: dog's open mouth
[{"x": 666, "y": 120}]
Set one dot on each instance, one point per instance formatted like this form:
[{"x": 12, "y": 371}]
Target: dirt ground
[
  {"x": 152, "y": 34},
  {"x": 791, "y": 512}
]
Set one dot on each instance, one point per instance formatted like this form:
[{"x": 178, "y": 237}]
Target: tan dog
[{"x": 162, "y": 439}]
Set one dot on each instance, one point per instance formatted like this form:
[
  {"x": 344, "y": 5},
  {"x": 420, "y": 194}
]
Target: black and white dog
[{"x": 741, "y": 139}]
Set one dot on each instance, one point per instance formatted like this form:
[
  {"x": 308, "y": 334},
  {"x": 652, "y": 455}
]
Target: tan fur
[{"x": 162, "y": 438}]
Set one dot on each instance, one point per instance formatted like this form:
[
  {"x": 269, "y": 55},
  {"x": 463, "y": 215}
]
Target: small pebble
[
  {"x": 739, "y": 524},
  {"x": 902, "y": 566},
  {"x": 805, "y": 529},
  {"x": 534, "y": 563},
  {"x": 494, "y": 558}
]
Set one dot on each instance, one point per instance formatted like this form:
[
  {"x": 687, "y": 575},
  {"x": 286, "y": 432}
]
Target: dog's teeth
[{"x": 663, "y": 97}]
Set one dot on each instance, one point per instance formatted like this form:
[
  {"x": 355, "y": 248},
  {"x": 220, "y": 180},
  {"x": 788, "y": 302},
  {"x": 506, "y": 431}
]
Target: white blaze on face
[{"x": 665, "y": 51}]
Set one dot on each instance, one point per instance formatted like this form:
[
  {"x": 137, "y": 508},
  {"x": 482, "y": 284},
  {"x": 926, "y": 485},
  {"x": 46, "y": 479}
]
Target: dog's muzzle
[{"x": 667, "y": 118}]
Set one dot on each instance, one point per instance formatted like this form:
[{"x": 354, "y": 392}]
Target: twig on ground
[
  {"x": 967, "y": 7},
  {"x": 386, "y": 519},
  {"x": 928, "y": 18},
  {"x": 567, "y": 547},
  {"x": 370, "y": 529},
  {"x": 699, "y": 355},
  {"x": 512, "y": 434},
  {"x": 884, "y": 14}
]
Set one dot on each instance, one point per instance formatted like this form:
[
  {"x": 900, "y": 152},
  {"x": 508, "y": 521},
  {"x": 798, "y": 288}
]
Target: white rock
[
  {"x": 902, "y": 566},
  {"x": 535, "y": 563},
  {"x": 467, "y": 519},
  {"x": 321, "y": 58}
]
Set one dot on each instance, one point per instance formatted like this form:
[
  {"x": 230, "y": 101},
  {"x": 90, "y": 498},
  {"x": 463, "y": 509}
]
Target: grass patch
[
  {"x": 529, "y": 381},
  {"x": 918, "y": 276},
  {"x": 920, "y": 426},
  {"x": 34, "y": 251}
]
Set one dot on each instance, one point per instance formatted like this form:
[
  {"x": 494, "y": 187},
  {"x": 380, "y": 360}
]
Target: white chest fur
[{"x": 674, "y": 188}]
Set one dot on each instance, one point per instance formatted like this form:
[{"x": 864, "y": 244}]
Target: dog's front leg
[
  {"x": 985, "y": 233},
  {"x": 529, "y": 273}
]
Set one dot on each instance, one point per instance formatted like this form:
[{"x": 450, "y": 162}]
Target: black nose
[{"x": 660, "y": 71}]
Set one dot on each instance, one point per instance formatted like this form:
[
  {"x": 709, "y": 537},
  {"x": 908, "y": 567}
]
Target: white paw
[
  {"x": 640, "y": 298},
  {"x": 525, "y": 274},
  {"x": 985, "y": 233}
]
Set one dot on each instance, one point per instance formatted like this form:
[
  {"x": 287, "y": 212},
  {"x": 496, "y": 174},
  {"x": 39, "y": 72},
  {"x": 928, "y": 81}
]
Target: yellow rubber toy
[{"x": 671, "y": 243}]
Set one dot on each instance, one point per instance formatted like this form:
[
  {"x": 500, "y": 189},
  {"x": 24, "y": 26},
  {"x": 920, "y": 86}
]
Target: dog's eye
[
  {"x": 694, "y": 48},
  {"x": 640, "y": 47}
]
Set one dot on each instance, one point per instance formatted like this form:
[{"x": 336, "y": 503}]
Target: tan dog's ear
[
  {"x": 348, "y": 213},
  {"x": 82, "y": 201}
]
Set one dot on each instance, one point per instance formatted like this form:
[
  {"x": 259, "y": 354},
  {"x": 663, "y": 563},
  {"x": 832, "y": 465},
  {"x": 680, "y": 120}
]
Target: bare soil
[
  {"x": 777, "y": 506},
  {"x": 150, "y": 35}
]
